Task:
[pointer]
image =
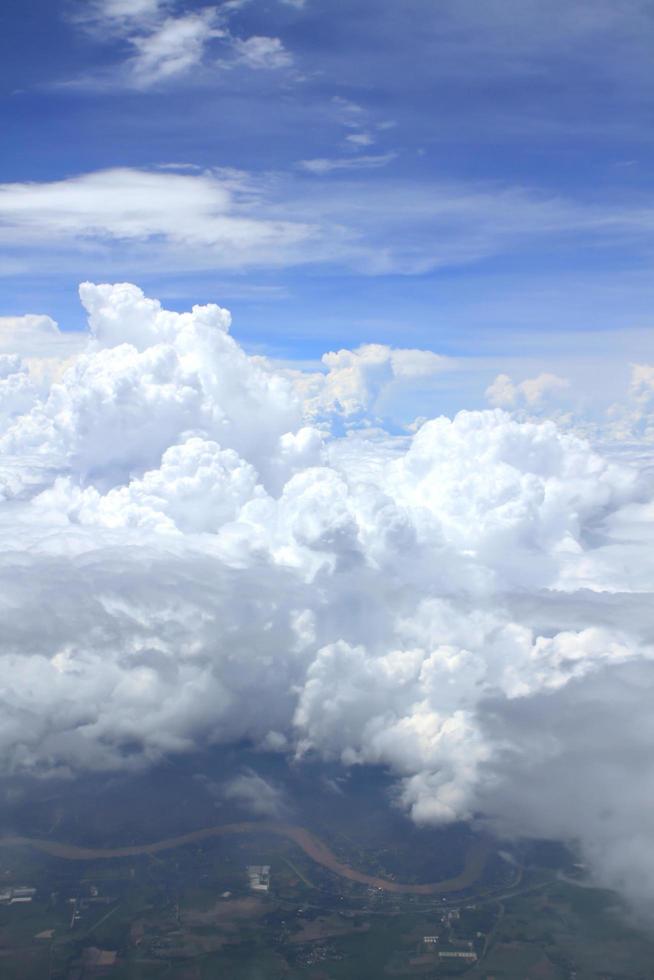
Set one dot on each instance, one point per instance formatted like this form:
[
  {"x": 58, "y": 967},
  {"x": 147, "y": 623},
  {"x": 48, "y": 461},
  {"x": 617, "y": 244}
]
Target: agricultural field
[{"x": 185, "y": 909}]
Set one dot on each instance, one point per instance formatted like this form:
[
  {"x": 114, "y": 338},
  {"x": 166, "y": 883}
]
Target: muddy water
[{"x": 308, "y": 842}]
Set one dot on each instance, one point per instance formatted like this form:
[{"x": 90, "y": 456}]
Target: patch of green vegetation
[{"x": 188, "y": 913}]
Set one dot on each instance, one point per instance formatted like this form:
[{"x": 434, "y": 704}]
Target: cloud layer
[
  {"x": 190, "y": 557},
  {"x": 193, "y": 219}
]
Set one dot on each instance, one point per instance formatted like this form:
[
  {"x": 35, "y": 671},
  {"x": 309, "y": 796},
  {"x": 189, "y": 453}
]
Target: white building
[
  {"x": 259, "y": 877},
  {"x": 458, "y": 954},
  {"x": 13, "y": 896}
]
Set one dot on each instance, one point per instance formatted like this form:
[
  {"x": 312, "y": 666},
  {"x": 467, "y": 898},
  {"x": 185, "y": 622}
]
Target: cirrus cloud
[{"x": 230, "y": 219}]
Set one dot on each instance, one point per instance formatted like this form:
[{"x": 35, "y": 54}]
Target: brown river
[{"x": 308, "y": 842}]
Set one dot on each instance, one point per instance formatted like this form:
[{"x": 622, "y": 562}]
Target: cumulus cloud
[
  {"x": 531, "y": 392},
  {"x": 122, "y": 403},
  {"x": 633, "y": 418},
  {"x": 624, "y": 427},
  {"x": 355, "y": 380},
  {"x": 187, "y": 560},
  {"x": 33, "y": 353},
  {"x": 17, "y": 390},
  {"x": 37, "y": 336}
]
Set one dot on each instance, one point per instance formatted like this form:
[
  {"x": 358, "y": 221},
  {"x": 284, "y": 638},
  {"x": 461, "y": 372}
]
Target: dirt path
[{"x": 308, "y": 842}]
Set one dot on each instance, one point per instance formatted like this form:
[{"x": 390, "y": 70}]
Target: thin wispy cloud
[
  {"x": 360, "y": 139},
  {"x": 173, "y": 48},
  {"x": 168, "y": 42},
  {"x": 262, "y": 53},
  {"x": 120, "y": 16},
  {"x": 233, "y": 219},
  {"x": 181, "y": 211},
  {"x": 326, "y": 165}
]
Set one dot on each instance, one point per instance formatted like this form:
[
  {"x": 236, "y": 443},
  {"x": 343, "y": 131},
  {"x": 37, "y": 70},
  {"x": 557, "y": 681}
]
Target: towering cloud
[{"x": 188, "y": 557}]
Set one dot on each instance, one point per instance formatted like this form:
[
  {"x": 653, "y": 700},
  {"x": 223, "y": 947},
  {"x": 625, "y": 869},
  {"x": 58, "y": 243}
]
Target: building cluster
[
  {"x": 14, "y": 896},
  {"x": 460, "y": 954},
  {"x": 310, "y": 955},
  {"x": 452, "y": 948}
]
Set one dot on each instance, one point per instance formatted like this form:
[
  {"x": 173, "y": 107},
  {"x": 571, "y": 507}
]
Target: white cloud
[
  {"x": 325, "y": 165},
  {"x": 623, "y": 427},
  {"x": 183, "y": 561},
  {"x": 173, "y": 48},
  {"x": 37, "y": 336},
  {"x": 172, "y": 371},
  {"x": 33, "y": 354},
  {"x": 197, "y": 487},
  {"x": 642, "y": 384},
  {"x": 126, "y": 10},
  {"x": 17, "y": 390},
  {"x": 231, "y": 219},
  {"x": 187, "y": 211},
  {"x": 531, "y": 392},
  {"x": 564, "y": 780},
  {"x": 166, "y": 44},
  {"x": 633, "y": 418},
  {"x": 262, "y": 53},
  {"x": 106, "y": 20},
  {"x": 360, "y": 139},
  {"x": 350, "y": 113},
  {"x": 355, "y": 380},
  {"x": 163, "y": 44},
  {"x": 257, "y": 795}
]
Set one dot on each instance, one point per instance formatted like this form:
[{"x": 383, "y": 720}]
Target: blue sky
[
  {"x": 190, "y": 554},
  {"x": 469, "y": 178}
]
